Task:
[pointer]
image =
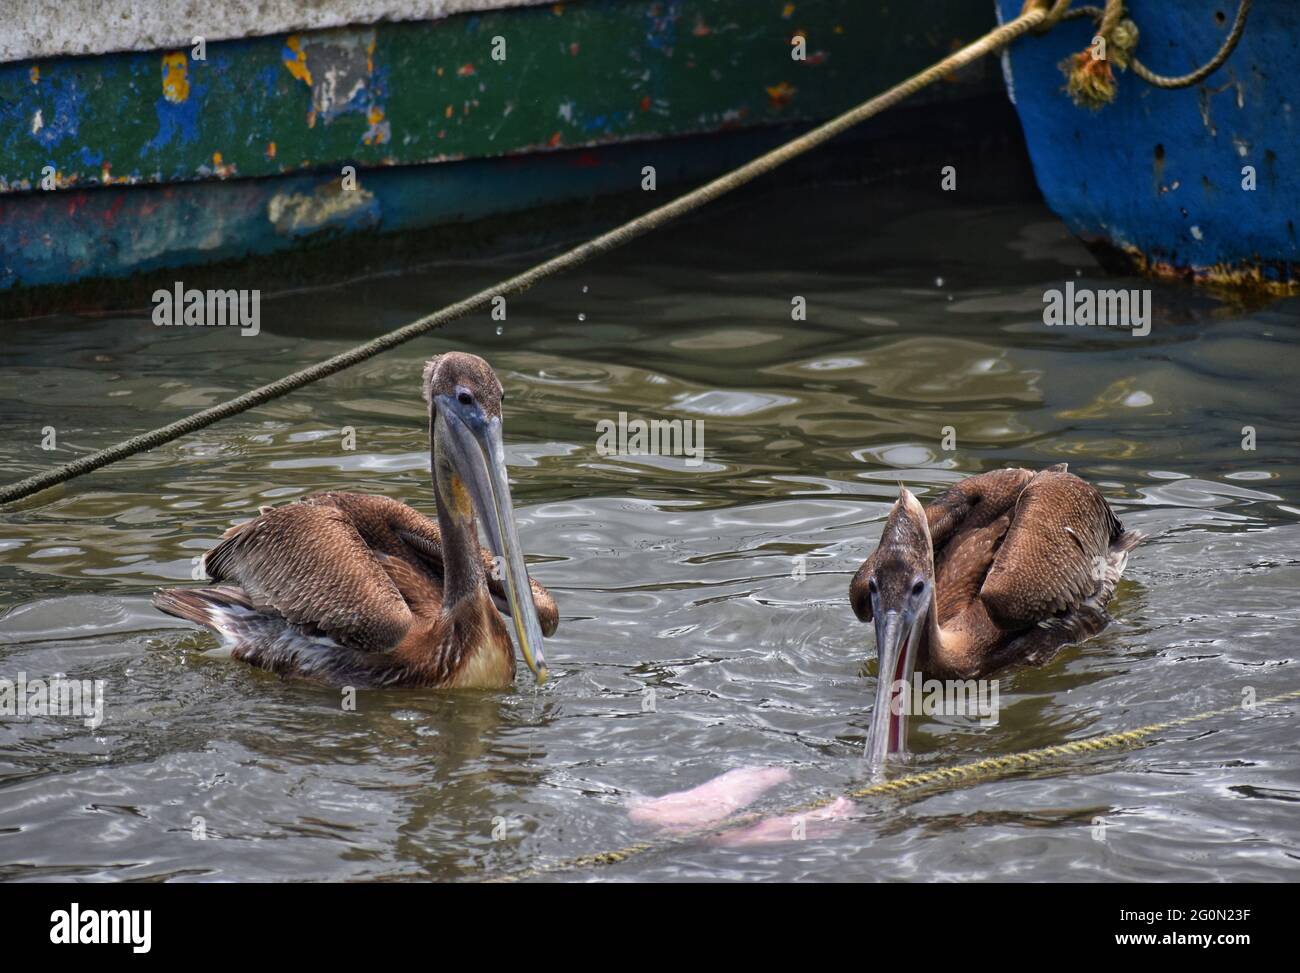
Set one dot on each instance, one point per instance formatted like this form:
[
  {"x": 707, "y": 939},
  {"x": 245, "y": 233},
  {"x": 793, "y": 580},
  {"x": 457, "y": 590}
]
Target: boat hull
[
  {"x": 1200, "y": 183},
  {"x": 156, "y": 160}
]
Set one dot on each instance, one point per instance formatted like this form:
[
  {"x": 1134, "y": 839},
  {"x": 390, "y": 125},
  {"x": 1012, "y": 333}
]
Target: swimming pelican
[
  {"x": 1003, "y": 568},
  {"x": 349, "y": 589}
]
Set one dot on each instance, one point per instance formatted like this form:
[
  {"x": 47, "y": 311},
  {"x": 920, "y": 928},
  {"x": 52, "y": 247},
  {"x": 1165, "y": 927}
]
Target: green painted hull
[
  {"x": 590, "y": 74},
  {"x": 402, "y": 93}
]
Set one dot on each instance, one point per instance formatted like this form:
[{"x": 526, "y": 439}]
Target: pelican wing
[
  {"x": 309, "y": 563},
  {"x": 966, "y": 524},
  {"x": 386, "y": 521},
  {"x": 1054, "y": 554},
  {"x": 353, "y": 565},
  {"x": 974, "y": 502},
  {"x": 425, "y": 539}
]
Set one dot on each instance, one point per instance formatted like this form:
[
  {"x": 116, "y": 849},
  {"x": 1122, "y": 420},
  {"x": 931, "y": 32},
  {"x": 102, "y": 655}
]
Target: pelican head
[
  {"x": 469, "y": 472},
  {"x": 894, "y": 588}
]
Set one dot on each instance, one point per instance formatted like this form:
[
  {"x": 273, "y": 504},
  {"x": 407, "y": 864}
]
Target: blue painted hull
[{"x": 1156, "y": 178}]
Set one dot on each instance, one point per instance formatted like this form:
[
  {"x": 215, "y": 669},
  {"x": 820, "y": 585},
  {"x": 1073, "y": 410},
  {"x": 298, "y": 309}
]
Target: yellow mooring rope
[{"x": 943, "y": 778}]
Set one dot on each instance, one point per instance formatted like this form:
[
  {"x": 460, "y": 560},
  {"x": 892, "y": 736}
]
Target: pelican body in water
[
  {"x": 349, "y": 589},
  {"x": 1003, "y": 568}
]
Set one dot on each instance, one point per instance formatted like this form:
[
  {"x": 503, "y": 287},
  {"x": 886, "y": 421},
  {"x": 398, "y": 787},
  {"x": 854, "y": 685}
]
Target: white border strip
[{"x": 36, "y": 29}]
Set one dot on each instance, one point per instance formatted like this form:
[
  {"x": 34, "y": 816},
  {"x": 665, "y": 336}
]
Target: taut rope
[{"x": 616, "y": 237}]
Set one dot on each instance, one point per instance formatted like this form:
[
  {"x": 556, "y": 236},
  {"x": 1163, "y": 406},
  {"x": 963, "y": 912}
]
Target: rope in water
[
  {"x": 942, "y": 778},
  {"x": 616, "y": 237}
]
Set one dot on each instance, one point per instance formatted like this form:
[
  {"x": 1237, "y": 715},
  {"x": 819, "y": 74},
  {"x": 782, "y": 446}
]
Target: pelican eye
[
  {"x": 918, "y": 588},
  {"x": 871, "y": 585},
  {"x": 464, "y": 398}
]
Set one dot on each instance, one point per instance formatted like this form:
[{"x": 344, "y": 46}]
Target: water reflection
[{"x": 704, "y": 623}]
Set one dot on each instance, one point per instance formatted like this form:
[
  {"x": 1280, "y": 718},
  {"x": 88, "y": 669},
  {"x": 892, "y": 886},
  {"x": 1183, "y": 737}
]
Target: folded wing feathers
[{"x": 308, "y": 563}]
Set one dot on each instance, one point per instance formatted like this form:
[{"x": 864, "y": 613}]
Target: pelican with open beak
[
  {"x": 1001, "y": 569},
  {"x": 896, "y": 592},
  {"x": 353, "y": 589}
]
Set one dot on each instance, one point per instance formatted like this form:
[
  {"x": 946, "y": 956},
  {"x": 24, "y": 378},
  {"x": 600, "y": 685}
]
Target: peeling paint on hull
[
  {"x": 1154, "y": 182},
  {"x": 147, "y": 229},
  {"x": 397, "y": 102},
  {"x": 574, "y": 75}
]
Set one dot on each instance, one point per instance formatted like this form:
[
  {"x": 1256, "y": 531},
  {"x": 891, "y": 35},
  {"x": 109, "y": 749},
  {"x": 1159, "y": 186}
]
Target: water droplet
[
  {"x": 582, "y": 317},
  {"x": 938, "y": 282},
  {"x": 584, "y": 288},
  {"x": 501, "y": 329}
]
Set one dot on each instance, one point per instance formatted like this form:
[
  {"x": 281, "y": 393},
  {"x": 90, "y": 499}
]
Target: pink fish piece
[
  {"x": 709, "y": 803},
  {"x": 821, "y": 823}
]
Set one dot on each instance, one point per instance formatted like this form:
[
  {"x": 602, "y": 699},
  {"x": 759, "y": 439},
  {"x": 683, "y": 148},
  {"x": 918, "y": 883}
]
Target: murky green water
[{"x": 672, "y": 577}]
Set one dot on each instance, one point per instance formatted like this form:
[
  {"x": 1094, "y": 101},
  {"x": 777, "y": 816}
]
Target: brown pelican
[
  {"x": 349, "y": 589},
  {"x": 1003, "y": 568}
]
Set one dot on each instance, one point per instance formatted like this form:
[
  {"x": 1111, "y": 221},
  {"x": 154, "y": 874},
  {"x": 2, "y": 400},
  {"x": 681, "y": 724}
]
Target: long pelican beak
[
  {"x": 896, "y": 644},
  {"x": 479, "y": 458}
]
